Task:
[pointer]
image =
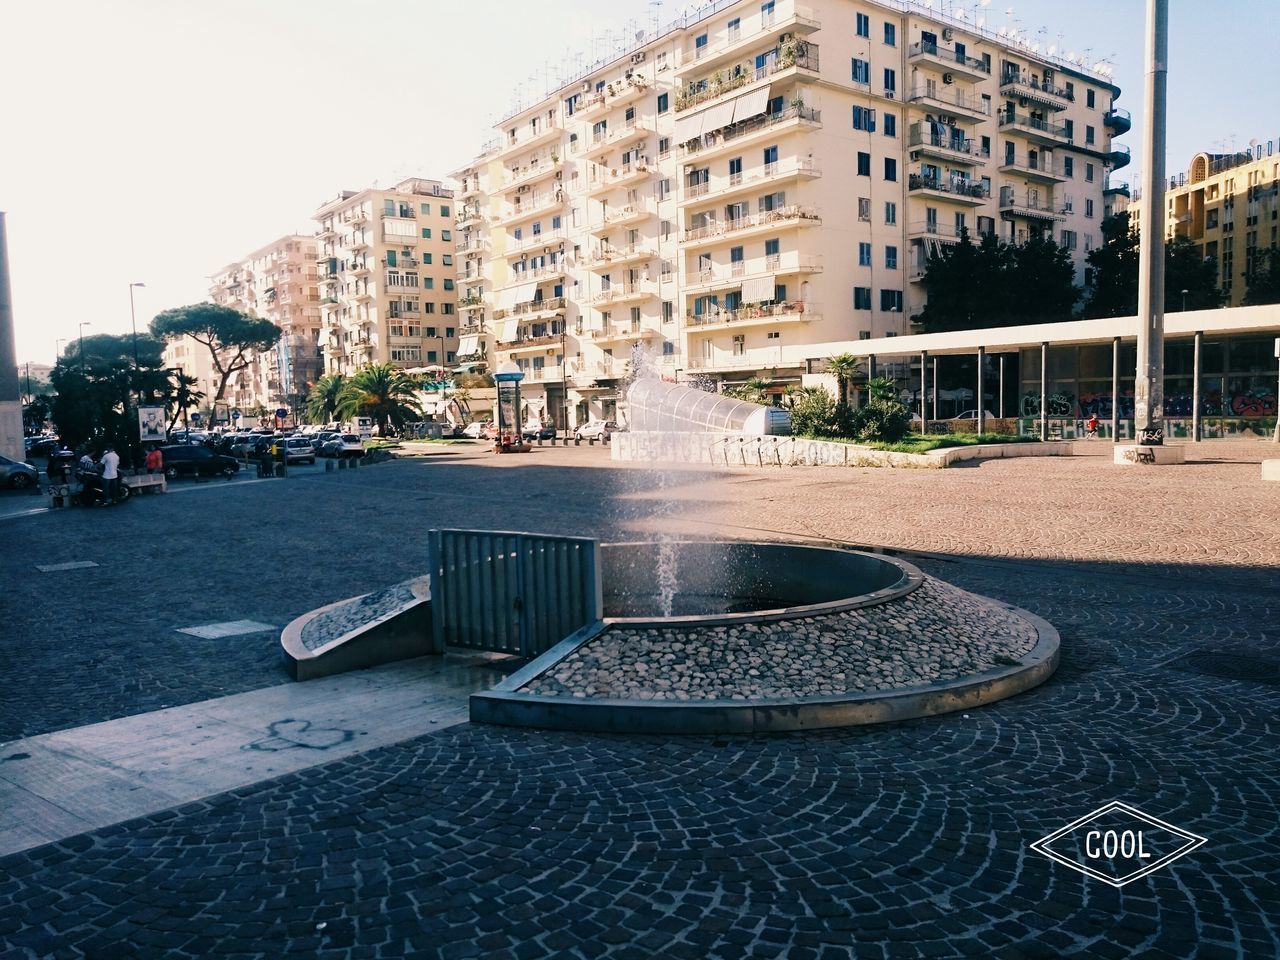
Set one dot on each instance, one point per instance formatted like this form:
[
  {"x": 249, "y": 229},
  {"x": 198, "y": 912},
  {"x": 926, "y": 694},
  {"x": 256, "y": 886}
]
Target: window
[
  {"x": 863, "y": 25},
  {"x": 1070, "y": 126},
  {"x": 388, "y": 208},
  {"x": 426, "y": 258},
  {"x": 428, "y": 283},
  {"x": 446, "y": 235},
  {"x": 864, "y": 118},
  {"x": 664, "y": 189},
  {"x": 890, "y": 212},
  {"x": 1088, "y": 172},
  {"x": 664, "y": 146},
  {"x": 426, "y": 209},
  {"x": 448, "y": 260},
  {"x": 699, "y": 41},
  {"x": 890, "y": 81},
  {"x": 444, "y": 211},
  {"x": 428, "y": 308},
  {"x": 426, "y": 233},
  {"x": 447, "y": 309},
  {"x": 890, "y": 125},
  {"x": 891, "y": 300},
  {"x": 1068, "y": 166},
  {"x": 864, "y": 164},
  {"x": 861, "y": 70},
  {"x": 1088, "y": 134},
  {"x": 1068, "y": 239},
  {"x": 864, "y": 209},
  {"x": 864, "y": 254},
  {"x": 1088, "y": 207},
  {"x": 770, "y": 160},
  {"x": 668, "y": 348},
  {"x": 890, "y": 168},
  {"x": 668, "y": 311},
  {"x": 664, "y": 101},
  {"x": 862, "y": 298},
  {"x": 891, "y": 34},
  {"x": 891, "y": 258},
  {"x": 771, "y": 247},
  {"x": 1088, "y": 99}
]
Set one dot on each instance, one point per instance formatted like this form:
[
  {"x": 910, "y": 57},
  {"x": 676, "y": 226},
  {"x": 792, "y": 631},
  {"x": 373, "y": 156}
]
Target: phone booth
[{"x": 510, "y": 440}]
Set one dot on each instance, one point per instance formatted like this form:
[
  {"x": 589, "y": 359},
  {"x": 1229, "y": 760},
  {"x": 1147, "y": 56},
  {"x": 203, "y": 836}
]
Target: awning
[
  {"x": 520, "y": 294},
  {"x": 506, "y": 332},
  {"x": 719, "y": 115},
  {"x": 758, "y": 289},
  {"x": 690, "y": 128},
  {"x": 468, "y": 344},
  {"x": 751, "y": 104}
]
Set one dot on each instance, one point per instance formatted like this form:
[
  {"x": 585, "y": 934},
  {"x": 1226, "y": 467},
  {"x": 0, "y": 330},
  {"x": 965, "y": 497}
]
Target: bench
[{"x": 148, "y": 483}]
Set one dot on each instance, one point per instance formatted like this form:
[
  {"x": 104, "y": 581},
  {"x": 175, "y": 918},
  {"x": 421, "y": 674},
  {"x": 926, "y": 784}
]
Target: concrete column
[
  {"x": 1195, "y": 388},
  {"x": 924, "y": 403},
  {"x": 1001, "y": 410},
  {"x": 1148, "y": 392},
  {"x": 935, "y": 388},
  {"x": 982, "y": 410},
  {"x": 11, "y": 444},
  {"x": 871, "y": 368},
  {"x": 1115, "y": 389},
  {"x": 1044, "y": 391}
]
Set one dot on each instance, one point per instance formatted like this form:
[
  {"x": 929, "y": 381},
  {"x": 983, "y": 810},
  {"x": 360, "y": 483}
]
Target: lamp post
[
  {"x": 564, "y": 380},
  {"x": 83, "y": 324},
  {"x": 137, "y": 374},
  {"x": 57, "y": 348},
  {"x": 1184, "y": 300}
]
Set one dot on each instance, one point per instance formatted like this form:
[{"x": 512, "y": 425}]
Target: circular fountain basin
[
  {"x": 718, "y": 582},
  {"x": 767, "y": 637}
]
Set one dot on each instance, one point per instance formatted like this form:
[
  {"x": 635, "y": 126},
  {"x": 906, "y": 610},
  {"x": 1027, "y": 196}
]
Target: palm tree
[
  {"x": 382, "y": 392},
  {"x": 322, "y": 401},
  {"x": 181, "y": 397},
  {"x": 843, "y": 366}
]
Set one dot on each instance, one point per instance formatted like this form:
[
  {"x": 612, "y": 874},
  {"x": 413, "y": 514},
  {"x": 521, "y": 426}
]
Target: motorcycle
[{"x": 91, "y": 488}]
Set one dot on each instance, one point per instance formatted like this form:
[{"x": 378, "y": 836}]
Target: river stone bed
[
  {"x": 936, "y": 633},
  {"x": 344, "y": 618}
]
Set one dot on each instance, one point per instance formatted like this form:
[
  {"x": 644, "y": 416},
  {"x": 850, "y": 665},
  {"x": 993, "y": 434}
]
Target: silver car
[{"x": 17, "y": 475}]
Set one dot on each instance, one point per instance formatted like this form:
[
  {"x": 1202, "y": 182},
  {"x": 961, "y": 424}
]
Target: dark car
[
  {"x": 41, "y": 446},
  {"x": 17, "y": 475},
  {"x": 190, "y": 460}
]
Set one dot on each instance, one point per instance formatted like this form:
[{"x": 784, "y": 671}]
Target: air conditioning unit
[
  {"x": 638, "y": 57},
  {"x": 948, "y": 33},
  {"x": 1022, "y": 101},
  {"x": 890, "y": 94},
  {"x": 948, "y": 78},
  {"x": 586, "y": 87}
]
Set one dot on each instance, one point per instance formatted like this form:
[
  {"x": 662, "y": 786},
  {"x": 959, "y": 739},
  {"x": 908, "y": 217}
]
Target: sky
[{"x": 156, "y": 141}]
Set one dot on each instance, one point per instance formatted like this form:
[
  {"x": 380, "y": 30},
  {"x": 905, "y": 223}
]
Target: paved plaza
[{"x": 902, "y": 840}]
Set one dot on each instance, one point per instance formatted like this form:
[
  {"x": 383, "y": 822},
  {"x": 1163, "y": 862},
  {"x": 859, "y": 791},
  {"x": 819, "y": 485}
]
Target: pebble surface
[
  {"x": 346, "y": 617},
  {"x": 936, "y": 633}
]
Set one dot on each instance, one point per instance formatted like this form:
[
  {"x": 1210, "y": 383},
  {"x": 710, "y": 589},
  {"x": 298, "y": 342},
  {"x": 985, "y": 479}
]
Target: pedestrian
[
  {"x": 110, "y": 474},
  {"x": 1091, "y": 427},
  {"x": 155, "y": 461}
]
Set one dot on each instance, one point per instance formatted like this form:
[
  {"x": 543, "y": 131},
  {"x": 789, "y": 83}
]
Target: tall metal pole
[
  {"x": 137, "y": 377},
  {"x": 1044, "y": 390},
  {"x": 982, "y": 410},
  {"x": 924, "y": 408},
  {"x": 11, "y": 444},
  {"x": 1195, "y": 387},
  {"x": 1148, "y": 392},
  {"x": 83, "y": 324},
  {"x": 1115, "y": 389}
]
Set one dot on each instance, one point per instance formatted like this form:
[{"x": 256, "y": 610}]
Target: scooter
[{"x": 91, "y": 489}]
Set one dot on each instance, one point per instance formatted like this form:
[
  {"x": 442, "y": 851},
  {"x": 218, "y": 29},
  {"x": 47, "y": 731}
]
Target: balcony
[
  {"x": 932, "y": 230},
  {"x": 470, "y": 189},
  {"x": 1029, "y": 90},
  {"x": 782, "y": 171},
  {"x": 1117, "y": 120},
  {"x": 546, "y": 373},
  {"x": 1119, "y": 156},
  {"x": 530, "y": 173},
  {"x": 767, "y": 314},
  {"x": 530, "y": 205},
  {"x": 620, "y": 177},
  {"x": 359, "y": 268},
  {"x": 472, "y": 303},
  {"x": 948, "y": 60},
  {"x": 537, "y": 241},
  {"x": 606, "y": 258},
  {"x": 536, "y": 308},
  {"x": 356, "y": 217},
  {"x": 785, "y": 18},
  {"x": 631, "y": 213},
  {"x": 326, "y": 232},
  {"x": 1029, "y": 206},
  {"x": 469, "y": 215},
  {"x": 740, "y": 134},
  {"x": 614, "y": 94},
  {"x": 405, "y": 212},
  {"x": 402, "y": 263},
  {"x": 947, "y": 99},
  {"x": 527, "y": 344},
  {"x": 625, "y": 293},
  {"x": 792, "y": 215},
  {"x": 1040, "y": 168},
  {"x": 583, "y": 375},
  {"x": 954, "y": 191},
  {"x": 470, "y": 245},
  {"x": 617, "y": 138},
  {"x": 798, "y": 56},
  {"x": 722, "y": 276},
  {"x": 1034, "y": 128},
  {"x": 632, "y": 333},
  {"x": 929, "y": 142},
  {"x": 767, "y": 358},
  {"x": 527, "y": 139}
]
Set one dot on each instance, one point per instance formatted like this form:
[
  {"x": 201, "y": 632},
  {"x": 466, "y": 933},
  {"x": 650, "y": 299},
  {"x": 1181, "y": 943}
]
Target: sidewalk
[{"x": 61, "y": 784}]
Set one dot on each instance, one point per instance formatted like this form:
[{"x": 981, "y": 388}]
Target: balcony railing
[
  {"x": 1034, "y": 125},
  {"x": 538, "y": 306},
  {"x": 948, "y": 56},
  {"x": 779, "y": 216},
  {"x": 799, "y": 54},
  {"x": 961, "y": 147},
  {"x": 624, "y": 291},
  {"x": 617, "y": 92},
  {"x": 733, "y": 273},
  {"x": 631, "y": 211},
  {"x": 960, "y": 188},
  {"x": 776, "y": 18},
  {"x": 746, "y": 128},
  {"x": 1018, "y": 84},
  {"x": 1030, "y": 205},
  {"x": 951, "y": 98},
  {"x": 1041, "y": 166},
  {"x": 792, "y": 167},
  {"x": 530, "y": 172},
  {"x": 793, "y": 310},
  {"x": 605, "y": 256}
]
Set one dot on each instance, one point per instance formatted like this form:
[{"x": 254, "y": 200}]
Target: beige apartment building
[
  {"x": 768, "y": 175},
  {"x": 387, "y": 276},
  {"x": 278, "y": 283},
  {"x": 1229, "y": 206}
]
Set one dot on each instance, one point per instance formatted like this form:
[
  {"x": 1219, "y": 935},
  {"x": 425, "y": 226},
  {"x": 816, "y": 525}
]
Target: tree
[
  {"x": 322, "y": 401},
  {"x": 96, "y": 388},
  {"x": 230, "y": 336},
  {"x": 181, "y": 397},
  {"x": 382, "y": 392},
  {"x": 1263, "y": 282},
  {"x": 844, "y": 367},
  {"x": 1116, "y": 264}
]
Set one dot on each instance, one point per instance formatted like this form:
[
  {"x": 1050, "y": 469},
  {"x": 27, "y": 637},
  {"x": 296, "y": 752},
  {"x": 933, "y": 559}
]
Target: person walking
[
  {"x": 110, "y": 475},
  {"x": 155, "y": 461}
]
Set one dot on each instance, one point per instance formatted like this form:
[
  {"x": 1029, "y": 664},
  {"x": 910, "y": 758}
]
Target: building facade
[
  {"x": 387, "y": 277},
  {"x": 763, "y": 175},
  {"x": 1229, "y": 206}
]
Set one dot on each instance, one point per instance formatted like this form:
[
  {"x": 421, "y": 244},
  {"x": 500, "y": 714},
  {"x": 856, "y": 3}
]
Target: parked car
[
  {"x": 323, "y": 437},
  {"x": 973, "y": 415},
  {"x": 345, "y": 445},
  {"x": 475, "y": 430},
  {"x": 599, "y": 429},
  {"x": 41, "y": 446},
  {"x": 299, "y": 450},
  {"x": 533, "y": 430},
  {"x": 17, "y": 475},
  {"x": 192, "y": 460}
]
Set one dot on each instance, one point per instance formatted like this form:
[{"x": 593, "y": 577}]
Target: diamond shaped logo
[{"x": 1117, "y": 844}]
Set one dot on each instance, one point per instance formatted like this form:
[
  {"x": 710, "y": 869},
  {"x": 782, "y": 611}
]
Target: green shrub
[
  {"x": 813, "y": 412},
  {"x": 883, "y": 420}
]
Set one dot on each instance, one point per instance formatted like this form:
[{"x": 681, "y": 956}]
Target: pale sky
[{"x": 158, "y": 140}]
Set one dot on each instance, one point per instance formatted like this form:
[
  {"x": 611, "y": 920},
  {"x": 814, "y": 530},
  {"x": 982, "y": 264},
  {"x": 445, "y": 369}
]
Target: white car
[
  {"x": 973, "y": 415},
  {"x": 599, "y": 429},
  {"x": 299, "y": 450},
  {"x": 474, "y": 430},
  {"x": 346, "y": 445}
]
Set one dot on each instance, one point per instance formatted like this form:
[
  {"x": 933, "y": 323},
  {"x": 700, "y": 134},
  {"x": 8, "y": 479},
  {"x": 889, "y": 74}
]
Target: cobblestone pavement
[{"x": 904, "y": 840}]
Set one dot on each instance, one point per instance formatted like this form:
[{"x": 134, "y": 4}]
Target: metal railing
[
  {"x": 745, "y": 128},
  {"x": 961, "y": 188},
  {"x": 779, "y": 216},
  {"x": 1024, "y": 122},
  {"x": 947, "y": 55},
  {"x": 1021, "y": 84},
  {"x": 956, "y": 99}
]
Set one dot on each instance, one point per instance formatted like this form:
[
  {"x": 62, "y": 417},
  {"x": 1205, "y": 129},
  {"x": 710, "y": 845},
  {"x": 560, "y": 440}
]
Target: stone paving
[
  {"x": 936, "y": 633},
  {"x": 905, "y": 840}
]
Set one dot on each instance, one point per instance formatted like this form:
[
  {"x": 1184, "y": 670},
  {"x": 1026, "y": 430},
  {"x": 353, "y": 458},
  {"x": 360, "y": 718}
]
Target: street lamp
[
  {"x": 83, "y": 324},
  {"x": 57, "y": 348},
  {"x": 1184, "y": 300},
  {"x": 137, "y": 372}
]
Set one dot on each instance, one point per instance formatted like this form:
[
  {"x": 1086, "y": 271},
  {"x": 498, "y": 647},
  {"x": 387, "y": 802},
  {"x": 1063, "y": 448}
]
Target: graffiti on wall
[
  {"x": 1258, "y": 402},
  {"x": 1058, "y": 404}
]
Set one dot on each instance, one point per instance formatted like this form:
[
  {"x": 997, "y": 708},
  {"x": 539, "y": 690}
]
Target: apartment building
[
  {"x": 387, "y": 277},
  {"x": 1229, "y": 206},
  {"x": 761, "y": 175}
]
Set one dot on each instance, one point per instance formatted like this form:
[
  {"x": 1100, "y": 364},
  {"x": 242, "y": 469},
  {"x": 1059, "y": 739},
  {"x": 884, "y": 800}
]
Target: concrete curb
[{"x": 505, "y": 705}]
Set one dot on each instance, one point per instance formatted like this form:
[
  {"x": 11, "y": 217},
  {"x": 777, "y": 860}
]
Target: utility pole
[
  {"x": 11, "y": 431},
  {"x": 1148, "y": 394}
]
